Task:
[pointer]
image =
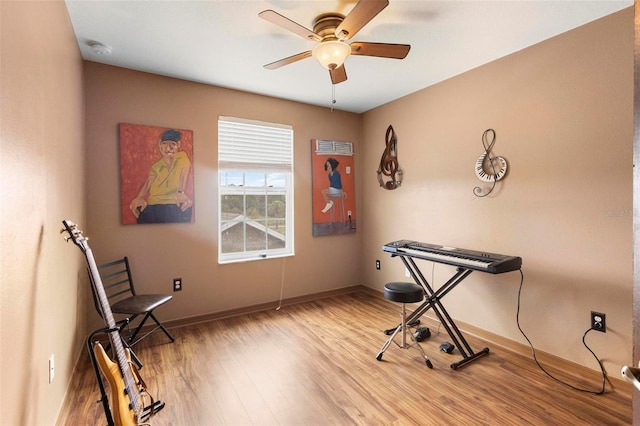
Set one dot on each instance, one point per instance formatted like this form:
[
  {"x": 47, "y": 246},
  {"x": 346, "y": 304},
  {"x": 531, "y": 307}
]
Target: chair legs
[
  {"x": 402, "y": 329},
  {"x": 132, "y": 339}
]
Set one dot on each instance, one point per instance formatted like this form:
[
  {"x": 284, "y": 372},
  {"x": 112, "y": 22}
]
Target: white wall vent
[{"x": 324, "y": 147}]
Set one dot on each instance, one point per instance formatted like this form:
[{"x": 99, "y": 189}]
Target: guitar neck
[
  {"x": 105, "y": 308},
  {"x": 114, "y": 336}
]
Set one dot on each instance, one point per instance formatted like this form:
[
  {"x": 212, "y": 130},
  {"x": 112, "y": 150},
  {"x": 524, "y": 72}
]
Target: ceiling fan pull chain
[{"x": 333, "y": 96}]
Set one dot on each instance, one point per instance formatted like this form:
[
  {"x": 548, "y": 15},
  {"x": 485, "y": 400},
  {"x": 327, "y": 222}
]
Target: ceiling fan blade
[
  {"x": 338, "y": 75},
  {"x": 287, "y": 61},
  {"x": 362, "y": 12},
  {"x": 381, "y": 50},
  {"x": 288, "y": 24}
]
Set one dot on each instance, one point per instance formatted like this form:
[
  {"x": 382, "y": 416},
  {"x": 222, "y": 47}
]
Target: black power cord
[{"x": 533, "y": 351}]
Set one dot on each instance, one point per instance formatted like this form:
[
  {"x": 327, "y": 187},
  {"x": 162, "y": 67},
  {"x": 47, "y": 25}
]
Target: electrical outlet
[
  {"x": 177, "y": 284},
  {"x": 377, "y": 264},
  {"x": 598, "y": 321},
  {"x": 51, "y": 369},
  {"x": 348, "y": 213}
]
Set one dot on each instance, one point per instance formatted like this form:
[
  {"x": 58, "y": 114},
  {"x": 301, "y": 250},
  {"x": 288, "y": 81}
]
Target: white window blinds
[{"x": 254, "y": 145}]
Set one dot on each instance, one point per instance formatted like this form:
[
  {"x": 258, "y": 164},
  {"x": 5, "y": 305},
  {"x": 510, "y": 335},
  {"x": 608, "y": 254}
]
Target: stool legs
[
  {"x": 402, "y": 328},
  {"x": 339, "y": 199},
  {"x": 403, "y": 317}
]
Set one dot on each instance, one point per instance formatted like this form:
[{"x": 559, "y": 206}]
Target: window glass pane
[
  {"x": 256, "y": 235},
  {"x": 231, "y": 206},
  {"x": 231, "y": 178},
  {"x": 255, "y": 179},
  {"x": 276, "y": 180},
  {"x": 232, "y": 237},
  {"x": 276, "y": 206},
  {"x": 276, "y": 240},
  {"x": 277, "y": 230},
  {"x": 256, "y": 207}
]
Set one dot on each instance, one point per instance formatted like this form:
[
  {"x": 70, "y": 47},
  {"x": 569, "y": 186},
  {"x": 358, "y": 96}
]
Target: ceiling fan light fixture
[{"x": 331, "y": 54}]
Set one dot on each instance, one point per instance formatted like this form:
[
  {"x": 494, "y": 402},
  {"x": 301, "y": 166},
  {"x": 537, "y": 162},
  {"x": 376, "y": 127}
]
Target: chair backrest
[{"x": 116, "y": 280}]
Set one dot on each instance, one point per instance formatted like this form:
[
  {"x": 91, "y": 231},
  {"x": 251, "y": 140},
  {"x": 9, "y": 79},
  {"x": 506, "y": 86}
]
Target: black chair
[{"x": 118, "y": 285}]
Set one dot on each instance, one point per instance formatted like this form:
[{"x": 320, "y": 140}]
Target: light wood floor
[{"x": 315, "y": 364}]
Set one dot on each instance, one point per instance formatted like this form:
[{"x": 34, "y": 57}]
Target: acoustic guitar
[{"x": 127, "y": 387}]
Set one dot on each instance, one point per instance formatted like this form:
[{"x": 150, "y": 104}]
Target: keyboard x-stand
[{"x": 466, "y": 262}]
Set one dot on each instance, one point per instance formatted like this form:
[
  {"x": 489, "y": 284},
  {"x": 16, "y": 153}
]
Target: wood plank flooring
[{"x": 315, "y": 363}]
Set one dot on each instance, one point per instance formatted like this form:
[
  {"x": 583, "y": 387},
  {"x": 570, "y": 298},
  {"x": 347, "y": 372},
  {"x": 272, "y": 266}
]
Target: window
[{"x": 255, "y": 189}]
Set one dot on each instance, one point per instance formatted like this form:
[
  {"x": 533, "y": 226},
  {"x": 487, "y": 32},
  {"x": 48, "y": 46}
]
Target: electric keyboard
[{"x": 469, "y": 259}]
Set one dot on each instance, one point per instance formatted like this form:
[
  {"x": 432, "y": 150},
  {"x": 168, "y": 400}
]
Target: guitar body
[{"x": 122, "y": 413}]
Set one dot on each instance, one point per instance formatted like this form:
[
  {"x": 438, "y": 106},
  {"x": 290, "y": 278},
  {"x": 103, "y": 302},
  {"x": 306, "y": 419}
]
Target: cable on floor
[{"x": 533, "y": 351}]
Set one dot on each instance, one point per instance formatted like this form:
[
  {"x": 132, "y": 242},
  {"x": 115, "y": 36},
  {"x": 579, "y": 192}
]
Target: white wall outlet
[
  {"x": 51, "y": 368},
  {"x": 177, "y": 284}
]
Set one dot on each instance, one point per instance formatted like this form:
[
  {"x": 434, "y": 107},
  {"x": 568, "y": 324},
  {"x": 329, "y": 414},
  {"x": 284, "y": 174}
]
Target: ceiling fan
[{"x": 331, "y": 30}]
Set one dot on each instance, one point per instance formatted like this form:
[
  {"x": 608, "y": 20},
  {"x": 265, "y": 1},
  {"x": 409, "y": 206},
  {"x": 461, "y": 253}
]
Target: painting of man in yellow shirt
[{"x": 164, "y": 196}]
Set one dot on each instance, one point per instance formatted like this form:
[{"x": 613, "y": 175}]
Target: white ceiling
[{"x": 225, "y": 43}]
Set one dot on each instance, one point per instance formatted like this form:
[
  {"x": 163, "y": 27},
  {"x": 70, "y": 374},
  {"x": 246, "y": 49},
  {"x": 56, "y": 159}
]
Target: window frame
[{"x": 252, "y": 163}]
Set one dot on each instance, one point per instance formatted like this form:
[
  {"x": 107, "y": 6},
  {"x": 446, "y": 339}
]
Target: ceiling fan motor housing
[{"x": 325, "y": 25}]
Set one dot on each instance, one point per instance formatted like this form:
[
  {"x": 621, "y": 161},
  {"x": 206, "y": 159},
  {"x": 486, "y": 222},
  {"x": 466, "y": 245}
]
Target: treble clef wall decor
[
  {"x": 389, "y": 162},
  {"x": 486, "y": 169}
]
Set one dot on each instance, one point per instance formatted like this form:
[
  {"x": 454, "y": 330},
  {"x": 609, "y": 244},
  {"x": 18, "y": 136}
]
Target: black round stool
[{"x": 403, "y": 292}]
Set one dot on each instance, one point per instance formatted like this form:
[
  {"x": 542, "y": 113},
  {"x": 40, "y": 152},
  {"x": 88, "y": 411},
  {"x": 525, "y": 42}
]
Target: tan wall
[
  {"x": 42, "y": 279},
  {"x": 563, "y": 114},
  {"x": 161, "y": 252}
]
